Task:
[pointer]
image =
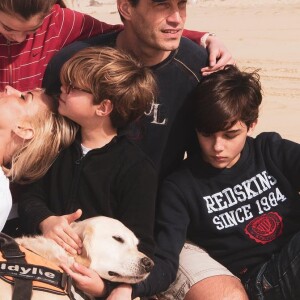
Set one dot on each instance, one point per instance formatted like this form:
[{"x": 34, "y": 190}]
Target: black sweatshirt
[
  {"x": 241, "y": 215},
  {"x": 117, "y": 181},
  {"x": 165, "y": 132}
]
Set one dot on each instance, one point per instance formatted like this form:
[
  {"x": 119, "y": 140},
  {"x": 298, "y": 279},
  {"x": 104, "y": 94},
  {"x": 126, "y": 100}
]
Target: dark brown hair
[
  {"x": 112, "y": 74},
  {"x": 28, "y": 8},
  {"x": 224, "y": 98}
]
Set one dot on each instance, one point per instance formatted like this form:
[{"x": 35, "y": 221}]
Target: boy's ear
[
  {"x": 25, "y": 132},
  {"x": 104, "y": 108},
  {"x": 252, "y": 127}
]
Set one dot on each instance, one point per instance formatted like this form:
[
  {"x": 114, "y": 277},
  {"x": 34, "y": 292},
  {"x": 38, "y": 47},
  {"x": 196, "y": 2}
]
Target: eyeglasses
[{"x": 71, "y": 87}]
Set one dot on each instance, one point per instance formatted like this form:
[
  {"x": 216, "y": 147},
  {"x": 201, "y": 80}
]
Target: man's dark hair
[
  {"x": 134, "y": 2},
  {"x": 224, "y": 98}
]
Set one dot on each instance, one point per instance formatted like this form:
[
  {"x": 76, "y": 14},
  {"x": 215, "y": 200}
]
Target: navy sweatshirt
[
  {"x": 117, "y": 181},
  {"x": 241, "y": 215}
]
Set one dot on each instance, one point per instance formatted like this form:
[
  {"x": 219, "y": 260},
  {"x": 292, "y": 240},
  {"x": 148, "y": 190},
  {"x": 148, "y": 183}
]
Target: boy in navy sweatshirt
[{"x": 238, "y": 197}]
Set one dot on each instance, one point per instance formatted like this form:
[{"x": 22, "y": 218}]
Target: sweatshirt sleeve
[
  {"x": 194, "y": 36},
  {"x": 281, "y": 154},
  {"x": 73, "y": 25},
  {"x": 69, "y": 25},
  {"x": 32, "y": 207},
  {"x": 171, "y": 226},
  {"x": 136, "y": 190}
]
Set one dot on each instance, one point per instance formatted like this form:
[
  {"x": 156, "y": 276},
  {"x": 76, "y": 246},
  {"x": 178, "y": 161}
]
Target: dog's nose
[{"x": 147, "y": 263}]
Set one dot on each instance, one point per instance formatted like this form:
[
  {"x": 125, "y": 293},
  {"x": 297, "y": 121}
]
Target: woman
[
  {"x": 31, "y": 136},
  {"x": 32, "y": 31}
]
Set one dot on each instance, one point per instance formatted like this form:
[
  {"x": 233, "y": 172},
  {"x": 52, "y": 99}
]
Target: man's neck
[{"x": 148, "y": 56}]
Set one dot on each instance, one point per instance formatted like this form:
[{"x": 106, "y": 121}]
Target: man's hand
[
  {"x": 86, "y": 279},
  {"x": 219, "y": 56},
  {"x": 121, "y": 292},
  {"x": 58, "y": 229}
]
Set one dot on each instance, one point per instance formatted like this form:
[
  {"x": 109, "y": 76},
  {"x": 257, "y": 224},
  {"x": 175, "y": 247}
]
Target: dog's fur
[{"x": 109, "y": 248}]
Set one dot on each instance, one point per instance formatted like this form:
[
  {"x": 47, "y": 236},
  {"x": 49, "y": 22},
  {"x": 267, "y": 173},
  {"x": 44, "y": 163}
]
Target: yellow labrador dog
[{"x": 109, "y": 248}]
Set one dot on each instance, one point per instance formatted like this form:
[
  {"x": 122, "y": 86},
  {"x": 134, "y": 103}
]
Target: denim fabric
[{"x": 278, "y": 278}]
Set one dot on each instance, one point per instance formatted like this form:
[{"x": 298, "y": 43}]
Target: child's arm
[
  {"x": 91, "y": 283},
  {"x": 86, "y": 280},
  {"x": 58, "y": 229},
  {"x": 136, "y": 195}
]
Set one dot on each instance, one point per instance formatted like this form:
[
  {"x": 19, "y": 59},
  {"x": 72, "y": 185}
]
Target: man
[{"x": 152, "y": 32}]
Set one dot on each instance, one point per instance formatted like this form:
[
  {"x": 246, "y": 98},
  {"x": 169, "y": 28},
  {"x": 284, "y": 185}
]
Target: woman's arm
[{"x": 219, "y": 56}]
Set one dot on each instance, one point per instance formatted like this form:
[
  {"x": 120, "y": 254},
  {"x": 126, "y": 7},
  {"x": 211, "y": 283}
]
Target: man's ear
[
  {"x": 104, "y": 108},
  {"x": 124, "y": 9},
  {"x": 25, "y": 132},
  {"x": 252, "y": 127}
]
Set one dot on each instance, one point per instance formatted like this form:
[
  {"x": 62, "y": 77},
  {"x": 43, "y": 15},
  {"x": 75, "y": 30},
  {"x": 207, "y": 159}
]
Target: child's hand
[
  {"x": 121, "y": 292},
  {"x": 58, "y": 229},
  {"x": 86, "y": 279}
]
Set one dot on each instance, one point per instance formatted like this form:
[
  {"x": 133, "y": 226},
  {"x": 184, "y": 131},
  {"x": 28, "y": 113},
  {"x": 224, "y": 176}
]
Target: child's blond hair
[{"x": 112, "y": 74}]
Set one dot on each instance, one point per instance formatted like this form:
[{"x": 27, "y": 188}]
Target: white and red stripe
[{"x": 22, "y": 65}]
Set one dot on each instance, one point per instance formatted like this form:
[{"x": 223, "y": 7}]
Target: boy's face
[
  {"x": 76, "y": 104},
  {"x": 223, "y": 148}
]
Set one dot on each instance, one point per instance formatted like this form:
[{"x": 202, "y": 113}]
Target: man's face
[
  {"x": 157, "y": 24},
  {"x": 223, "y": 148}
]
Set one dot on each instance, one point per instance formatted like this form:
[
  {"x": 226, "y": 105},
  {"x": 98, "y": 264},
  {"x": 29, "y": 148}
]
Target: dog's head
[{"x": 111, "y": 249}]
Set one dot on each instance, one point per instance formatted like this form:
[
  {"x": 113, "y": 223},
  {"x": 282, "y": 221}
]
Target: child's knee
[{"x": 217, "y": 287}]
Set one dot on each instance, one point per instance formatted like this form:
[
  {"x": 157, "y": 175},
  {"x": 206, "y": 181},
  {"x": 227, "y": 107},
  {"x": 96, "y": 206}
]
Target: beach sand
[{"x": 261, "y": 34}]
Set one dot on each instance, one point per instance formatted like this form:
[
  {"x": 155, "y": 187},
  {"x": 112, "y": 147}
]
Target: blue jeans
[{"x": 278, "y": 278}]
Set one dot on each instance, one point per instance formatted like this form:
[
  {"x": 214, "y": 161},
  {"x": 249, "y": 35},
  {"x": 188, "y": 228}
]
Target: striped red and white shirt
[{"x": 22, "y": 65}]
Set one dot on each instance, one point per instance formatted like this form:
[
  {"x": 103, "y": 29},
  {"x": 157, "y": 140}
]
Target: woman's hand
[
  {"x": 58, "y": 229},
  {"x": 219, "y": 56}
]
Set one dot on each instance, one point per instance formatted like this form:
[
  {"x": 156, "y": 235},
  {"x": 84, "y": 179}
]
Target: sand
[{"x": 261, "y": 34}]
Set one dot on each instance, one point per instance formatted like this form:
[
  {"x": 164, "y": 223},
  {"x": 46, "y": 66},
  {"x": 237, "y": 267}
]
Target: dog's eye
[{"x": 118, "y": 239}]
